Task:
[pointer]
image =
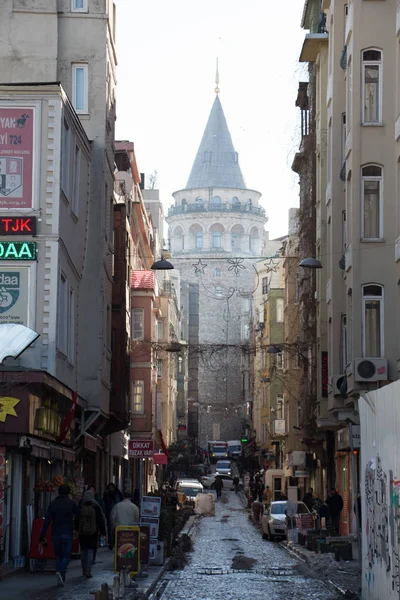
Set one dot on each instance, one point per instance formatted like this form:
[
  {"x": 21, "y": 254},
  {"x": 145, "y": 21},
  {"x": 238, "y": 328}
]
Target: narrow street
[{"x": 230, "y": 561}]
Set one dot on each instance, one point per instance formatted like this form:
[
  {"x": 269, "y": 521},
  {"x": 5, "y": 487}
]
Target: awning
[{"x": 160, "y": 459}]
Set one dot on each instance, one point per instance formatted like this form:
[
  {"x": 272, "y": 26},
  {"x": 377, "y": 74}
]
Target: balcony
[{"x": 223, "y": 207}]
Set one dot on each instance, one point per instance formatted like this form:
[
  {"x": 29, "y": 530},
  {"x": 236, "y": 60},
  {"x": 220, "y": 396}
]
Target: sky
[{"x": 167, "y": 52}]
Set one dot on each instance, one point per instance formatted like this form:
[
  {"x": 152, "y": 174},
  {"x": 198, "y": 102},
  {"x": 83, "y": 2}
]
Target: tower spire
[{"x": 217, "y": 90}]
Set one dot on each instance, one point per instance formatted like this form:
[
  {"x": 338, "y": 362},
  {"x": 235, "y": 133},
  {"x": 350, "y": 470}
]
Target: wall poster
[{"x": 16, "y": 157}]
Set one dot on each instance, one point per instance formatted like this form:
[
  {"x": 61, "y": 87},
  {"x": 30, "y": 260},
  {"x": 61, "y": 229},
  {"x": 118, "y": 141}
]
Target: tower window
[
  {"x": 207, "y": 156},
  {"x": 235, "y": 158}
]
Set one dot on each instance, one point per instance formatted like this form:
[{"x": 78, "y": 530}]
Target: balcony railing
[{"x": 209, "y": 207}]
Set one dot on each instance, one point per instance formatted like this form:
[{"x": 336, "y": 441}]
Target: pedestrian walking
[
  {"x": 308, "y": 498},
  {"x": 335, "y": 505},
  {"x": 125, "y": 513},
  {"x": 260, "y": 491},
  {"x": 267, "y": 497},
  {"x": 111, "y": 497},
  {"x": 62, "y": 514},
  {"x": 90, "y": 525},
  {"x": 236, "y": 483},
  {"x": 218, "y": 484}
]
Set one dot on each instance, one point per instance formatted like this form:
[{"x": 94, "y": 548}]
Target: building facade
[{"x": 216, "y": 230}]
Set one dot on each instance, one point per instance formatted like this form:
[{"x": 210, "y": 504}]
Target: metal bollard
[{"x": 116, "y": 588}]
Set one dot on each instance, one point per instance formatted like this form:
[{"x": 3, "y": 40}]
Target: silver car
[{"x": 273, "y": 522}]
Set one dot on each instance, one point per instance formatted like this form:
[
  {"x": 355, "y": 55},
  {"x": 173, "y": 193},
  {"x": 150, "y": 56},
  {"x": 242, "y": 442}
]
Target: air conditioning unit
[
  {"x": 337, "y": 381},
  {"x": 370, "y": 369}
]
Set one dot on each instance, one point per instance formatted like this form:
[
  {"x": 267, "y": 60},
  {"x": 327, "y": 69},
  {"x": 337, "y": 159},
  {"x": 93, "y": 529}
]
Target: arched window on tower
[
  {"x": 217, "y": 201},
  {"x": 199, "y": 240}
]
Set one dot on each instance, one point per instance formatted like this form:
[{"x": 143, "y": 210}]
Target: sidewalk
[
  {"x": 43, "y": 586},
  {"x": 344, "y": 576}
]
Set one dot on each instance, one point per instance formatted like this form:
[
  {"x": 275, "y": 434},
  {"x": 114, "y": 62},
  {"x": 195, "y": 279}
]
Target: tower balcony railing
[{"x": 210, "y": 207}]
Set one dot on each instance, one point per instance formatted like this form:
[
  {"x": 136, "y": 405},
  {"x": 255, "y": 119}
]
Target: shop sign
[
  {"x": 127, "y": 549},
  {"x": 151, "y": 506},
  {"x": 90, "y": 443},
  {"x": 7, "y": 405},
  {"x": 16, "y": 157},
  {"x": 17, "y": 250},
  {"x": 301, "y": 474},
  {"x": 2, "y": 491},
  {"x": 343, "y": 438},
  {"x": 141, "y": 448},
  {"x": 14, "y": 292},
  {"x": 153, "y": 523},
  {"x": 17, "y": 225}
]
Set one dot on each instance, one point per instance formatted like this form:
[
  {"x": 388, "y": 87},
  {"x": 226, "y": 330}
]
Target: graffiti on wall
[{"x": 382, "y": 523}]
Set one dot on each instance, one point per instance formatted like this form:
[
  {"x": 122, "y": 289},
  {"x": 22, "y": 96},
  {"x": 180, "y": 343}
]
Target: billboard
[
  {"x": 14, "y": 295},
  {"x": 16, "y": 157}
]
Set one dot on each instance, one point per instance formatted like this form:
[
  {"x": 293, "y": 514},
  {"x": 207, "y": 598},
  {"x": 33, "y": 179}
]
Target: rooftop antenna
[{"x": 217, "y": 90}]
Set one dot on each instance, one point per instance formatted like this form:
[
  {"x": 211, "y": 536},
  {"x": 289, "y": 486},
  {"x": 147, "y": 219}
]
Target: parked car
[
  {"x": 208, "y": 481},
  {"x": 273, "y": 522},
  {"x": 224, "y": 467}
]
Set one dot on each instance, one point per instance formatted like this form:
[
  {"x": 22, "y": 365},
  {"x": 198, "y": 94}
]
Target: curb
[{"x": 187, "y": 530}]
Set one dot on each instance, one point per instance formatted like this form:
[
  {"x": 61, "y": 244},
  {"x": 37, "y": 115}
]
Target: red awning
[{"x": 160, "y": 459}]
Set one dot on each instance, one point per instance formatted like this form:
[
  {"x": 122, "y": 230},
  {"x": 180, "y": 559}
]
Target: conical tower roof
[{"x": 216, "y": 163}]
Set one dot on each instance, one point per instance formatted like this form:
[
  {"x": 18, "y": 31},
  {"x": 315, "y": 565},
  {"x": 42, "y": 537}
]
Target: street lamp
[
  {"x": 310, "y": 263},
  {"x": 162, "y": 265},
  {"x": 273, "y": 349}
]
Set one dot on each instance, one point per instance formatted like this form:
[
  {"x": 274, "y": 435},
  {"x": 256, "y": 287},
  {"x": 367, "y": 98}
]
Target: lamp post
[{"x": 310, "y": 263}]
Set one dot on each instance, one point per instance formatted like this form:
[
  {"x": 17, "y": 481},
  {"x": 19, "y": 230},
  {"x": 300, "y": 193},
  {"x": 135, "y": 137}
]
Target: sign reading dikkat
[
  {"x": 17, "y": 250},
  {"x": 141, "y": 448},
  {"x": 16, "y": 157}
]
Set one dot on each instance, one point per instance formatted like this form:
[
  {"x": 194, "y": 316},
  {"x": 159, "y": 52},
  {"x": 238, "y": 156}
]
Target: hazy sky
[{"x": 167, "y": 53}]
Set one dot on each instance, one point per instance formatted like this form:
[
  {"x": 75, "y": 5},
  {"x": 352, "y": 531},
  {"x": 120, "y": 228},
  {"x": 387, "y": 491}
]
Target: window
[
  {"x": 279, "y": 361},
  {"x": 235, "y": 158},
  {"x": 372, "y": 315},
  {"x": 279, "y": 310},
  {"x": 217, "y": 201},
  {"x": 343, "y": 343},
  {"x": 138, "y": 324},
  {"x": 263, "y": 358},
  {"x": 65, "y": 158},
  {"x": 62, "y": 321},
  {"x": 80, "y": 87},
  {"x": 371, "y": 91},
  {"x": 344, "y": 232},
  {"x": 159, "y": 368},
  {"x": 138, "y": 397},
  {"x": 76, "y": 180},
  {"x": 79, "y": 5},
  {"x": 217, "y": 239},
  {"x": 235, "y": 241},
  {"x": 344, "y": 134},
  {"x": 371, "y": 200},
  {"x": 207, "y": 156},
  {"x": 298, "y": 356},
  {"x": 280, "y": 407},
  {"x": 349, "y": 106},
  {"x": 264, "y": 395},
  {"x": 160, "y": 330},
  {"x": 218, "y": 272},
  {"x": 264, "y": 282},
  {"x": 218, "y": 291},
  {"x": 199, "y": 239},
  {"x": 235, "y": 200},
  {"x": 297, "y": 291}
]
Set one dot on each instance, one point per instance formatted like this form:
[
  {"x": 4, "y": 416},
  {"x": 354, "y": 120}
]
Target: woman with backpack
[{"x": 90, "y": 526}]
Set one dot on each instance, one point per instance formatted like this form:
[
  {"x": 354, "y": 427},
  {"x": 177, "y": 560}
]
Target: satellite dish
[
  {"x": 123, "y": 183},
  {"x": 14, "y": 339}
]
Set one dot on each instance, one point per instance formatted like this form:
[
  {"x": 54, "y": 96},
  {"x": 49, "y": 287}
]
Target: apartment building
[{"x": 64, "y": 168}]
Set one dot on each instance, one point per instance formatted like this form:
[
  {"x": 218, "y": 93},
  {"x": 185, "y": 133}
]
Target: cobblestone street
[{"x": 230, "y": 561}]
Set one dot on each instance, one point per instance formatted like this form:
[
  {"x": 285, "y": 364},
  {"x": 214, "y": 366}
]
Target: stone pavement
[
  {"x": 43, "y": 586},
  {"x": 344, "y": 576}
]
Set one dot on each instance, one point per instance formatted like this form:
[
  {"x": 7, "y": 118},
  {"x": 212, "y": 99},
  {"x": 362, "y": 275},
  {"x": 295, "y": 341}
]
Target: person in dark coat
[
  {"x": 335, "y": 505},
  {"x": 218, "y": 484},
  {"x": 111, "y": 497},
  {"x": 308, "y": 499},
  {"x": 90, "y": 526},
  {"x": 62, "y": 514}
]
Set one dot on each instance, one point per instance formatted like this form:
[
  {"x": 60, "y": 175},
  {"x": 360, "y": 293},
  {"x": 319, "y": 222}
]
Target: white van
[
  {"x": 234, "y": 448},
  {"x": 190, "y": 487}
]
